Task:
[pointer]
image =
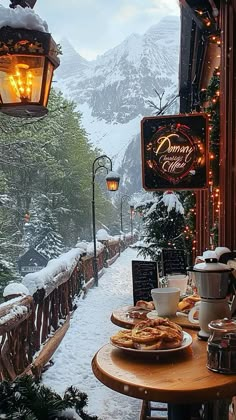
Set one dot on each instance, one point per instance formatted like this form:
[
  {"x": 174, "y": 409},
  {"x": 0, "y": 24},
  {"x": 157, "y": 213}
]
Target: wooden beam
[
  {"x": 49, "y": 348},
  {"x": 227, "y": 226}
]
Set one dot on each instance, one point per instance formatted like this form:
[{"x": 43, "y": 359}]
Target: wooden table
[
  {"x": 121, "y": 318},
  {"x": 177, "y": 378}
]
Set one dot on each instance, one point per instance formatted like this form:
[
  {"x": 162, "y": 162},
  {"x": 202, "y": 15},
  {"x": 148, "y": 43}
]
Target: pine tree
[
  {"x": 48, "y": 241},
  {"x": 25, "y": 399},
  {"x": 163, "y": 222},
  {"x": 49, "y": 156},
  {"x": 7, "y": 274}
]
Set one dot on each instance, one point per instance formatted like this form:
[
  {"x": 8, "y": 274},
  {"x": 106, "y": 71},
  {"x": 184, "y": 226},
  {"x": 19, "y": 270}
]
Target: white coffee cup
[
  {"x": 166, "y": 300},
  {"x": 178, "y": 280}
]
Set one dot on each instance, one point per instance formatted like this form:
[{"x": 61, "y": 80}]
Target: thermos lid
[
  {"x": 223, "y": 325},
  {"x": 212, "y": 265}
]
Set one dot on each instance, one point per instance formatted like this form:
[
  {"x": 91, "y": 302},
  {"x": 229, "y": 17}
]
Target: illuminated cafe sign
[{"x": 174, "y": 152}]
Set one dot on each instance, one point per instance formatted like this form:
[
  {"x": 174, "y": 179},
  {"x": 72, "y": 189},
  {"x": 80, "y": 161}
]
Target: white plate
[
  {"x": 187, "y": 341},
  {"x": 154, "y": 315}
]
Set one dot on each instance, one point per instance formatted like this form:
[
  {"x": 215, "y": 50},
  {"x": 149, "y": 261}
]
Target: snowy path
[{"x": 90, "y": 329}]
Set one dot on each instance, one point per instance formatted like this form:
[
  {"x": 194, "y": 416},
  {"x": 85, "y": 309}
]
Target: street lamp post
[
  {"x": 121, "y": 210},
  {"x": 131, "y": 219},
  {"x": 112, "y": 181}
]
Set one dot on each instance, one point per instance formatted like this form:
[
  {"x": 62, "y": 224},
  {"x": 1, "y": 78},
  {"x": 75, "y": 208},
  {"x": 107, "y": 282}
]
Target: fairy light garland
[{"x": 210, "y": 99}]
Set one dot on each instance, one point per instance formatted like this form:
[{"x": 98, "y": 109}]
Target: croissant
[
  {"x": 188, "y": 302},
  {"x": 143, "y": 304}
]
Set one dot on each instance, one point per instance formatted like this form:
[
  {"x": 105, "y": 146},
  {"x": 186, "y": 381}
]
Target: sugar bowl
[{"x": 221, "y": 346}]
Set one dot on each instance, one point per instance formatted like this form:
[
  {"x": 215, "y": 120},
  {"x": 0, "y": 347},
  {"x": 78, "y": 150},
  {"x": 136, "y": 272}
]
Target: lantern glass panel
[
  {"x": 21, "y": 78},
  {"x": 50, "y": 69},
  {"x": 112, "y": 184}
]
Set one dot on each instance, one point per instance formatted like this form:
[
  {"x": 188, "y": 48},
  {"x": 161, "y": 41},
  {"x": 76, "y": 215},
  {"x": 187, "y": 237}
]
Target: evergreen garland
[
  {"x": 213, "y": 110},
  {"x": 210, "y": 98},
  {"x": 24, "y": 399}
]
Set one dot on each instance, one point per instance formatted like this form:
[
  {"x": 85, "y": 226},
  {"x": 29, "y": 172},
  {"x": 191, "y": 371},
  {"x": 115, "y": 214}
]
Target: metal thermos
[{"x": 211, "y": 278}]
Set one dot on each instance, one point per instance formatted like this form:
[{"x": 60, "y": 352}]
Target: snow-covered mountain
[{"x": 113, "y": 91}]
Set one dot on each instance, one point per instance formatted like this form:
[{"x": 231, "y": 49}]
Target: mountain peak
[
  {"x": 72, "y": 63},
  {"x": 68, "y": 49},
  {"x": 117, "y": 89},
  {"x": 165, "y": 27}
]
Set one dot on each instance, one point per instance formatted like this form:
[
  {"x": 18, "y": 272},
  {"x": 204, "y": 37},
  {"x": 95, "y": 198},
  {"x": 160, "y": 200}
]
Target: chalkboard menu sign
[
  {"x": 145, "y": 278},
  {"x": 173, "y": 261}
]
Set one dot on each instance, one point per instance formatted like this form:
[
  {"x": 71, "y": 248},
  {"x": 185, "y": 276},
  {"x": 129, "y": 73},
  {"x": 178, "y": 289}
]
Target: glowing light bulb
[{"x": 22, "y": 82}]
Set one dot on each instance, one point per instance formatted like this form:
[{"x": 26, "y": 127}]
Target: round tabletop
[
  {"x": 120, "y": 317},
  {"x": 177, "y": 377}
]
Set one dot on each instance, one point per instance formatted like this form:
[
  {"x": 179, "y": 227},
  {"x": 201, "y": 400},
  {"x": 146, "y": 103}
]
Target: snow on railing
[
  {"x": 32, "y": 326},
  {"x": 56, "y": 272}
]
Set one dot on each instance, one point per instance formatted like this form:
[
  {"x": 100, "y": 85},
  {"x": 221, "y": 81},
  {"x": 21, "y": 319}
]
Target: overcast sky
[{"x": 94, "y": 26}]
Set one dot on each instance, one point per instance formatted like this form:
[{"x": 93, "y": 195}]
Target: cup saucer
[{"x": 152, "y": 315}]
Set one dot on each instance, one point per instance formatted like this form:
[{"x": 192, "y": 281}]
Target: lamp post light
[
  {"x": 131, "y": 219},
  {"x": 121, "y": 210},
  {"x": 28, "y": 58},
  {"x": 112, "y": 182}
]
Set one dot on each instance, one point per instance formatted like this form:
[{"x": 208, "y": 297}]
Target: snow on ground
[{"x": 90, "y": 329}]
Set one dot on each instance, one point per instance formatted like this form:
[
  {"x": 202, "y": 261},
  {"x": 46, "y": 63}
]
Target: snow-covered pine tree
[
  {"x": 48, "y": 241},
  {"x": 29, "y": 231},
  {"x": 42, "y": 232},
  {"x": 163, "y": 224},
  {"x": 7, "y": 274}
]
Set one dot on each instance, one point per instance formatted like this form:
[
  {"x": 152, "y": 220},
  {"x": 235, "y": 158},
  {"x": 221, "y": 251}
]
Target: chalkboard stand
[
  {"x": 145, "y": 278},
  {"x": 173, "y": 261}
]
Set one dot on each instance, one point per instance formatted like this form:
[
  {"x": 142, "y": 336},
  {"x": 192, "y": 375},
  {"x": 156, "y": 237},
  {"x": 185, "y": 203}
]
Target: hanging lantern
[
  {"x": 27, "y": 61},
  {"x": 112, "y": 181}
]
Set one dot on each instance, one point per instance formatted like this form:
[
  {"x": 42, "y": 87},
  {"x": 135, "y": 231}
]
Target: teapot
[{"x": 212, "y": 278}]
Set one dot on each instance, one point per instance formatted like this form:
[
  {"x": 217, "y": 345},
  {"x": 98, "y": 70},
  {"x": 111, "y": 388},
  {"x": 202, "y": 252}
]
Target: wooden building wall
[{"x": 227, "y": 225}]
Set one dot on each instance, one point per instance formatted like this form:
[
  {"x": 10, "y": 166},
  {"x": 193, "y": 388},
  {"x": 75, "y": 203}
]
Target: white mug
[
  {"x": 209, "y": 309},
  {"x": 166, "y": 300},
  {"x": 178, "y": 280},
  {"x": 192, "y": 312}
]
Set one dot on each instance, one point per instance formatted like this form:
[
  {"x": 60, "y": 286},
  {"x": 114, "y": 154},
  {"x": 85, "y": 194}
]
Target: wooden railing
[
  {"x": 16, "y": 331},
  {"x": 112, "y": 251},
  {"x": 32, "y": 327},
  {"x": 36, "y": 324}
]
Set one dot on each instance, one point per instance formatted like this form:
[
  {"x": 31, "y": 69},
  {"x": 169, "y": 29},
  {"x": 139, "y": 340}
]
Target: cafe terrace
[{"x": 208, "y": 46}]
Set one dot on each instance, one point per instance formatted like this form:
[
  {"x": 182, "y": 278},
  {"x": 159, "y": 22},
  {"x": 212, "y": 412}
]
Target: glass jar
[{"x": 221, "y": 346}]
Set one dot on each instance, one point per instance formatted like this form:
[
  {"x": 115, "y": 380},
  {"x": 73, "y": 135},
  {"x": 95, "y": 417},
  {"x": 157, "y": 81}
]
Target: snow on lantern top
[{"x": 21, "y": 17}]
